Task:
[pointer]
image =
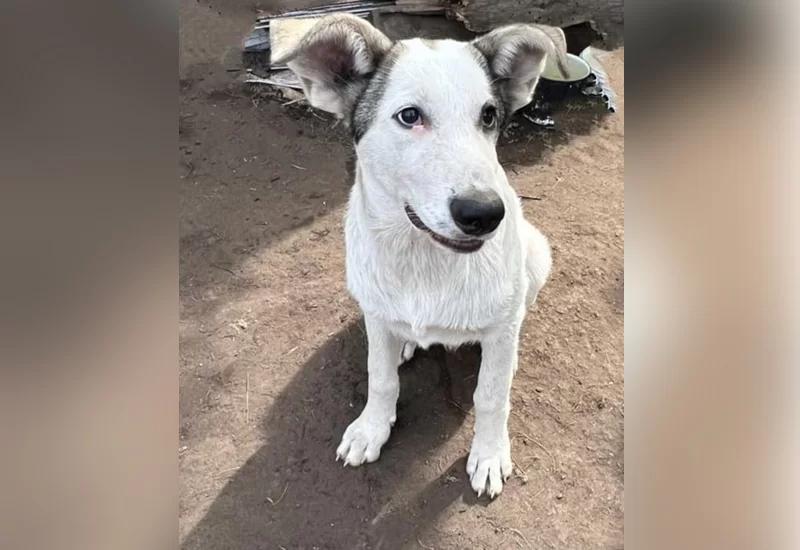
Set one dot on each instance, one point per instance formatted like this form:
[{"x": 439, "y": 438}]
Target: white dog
[{"x": 437, "y": 248}]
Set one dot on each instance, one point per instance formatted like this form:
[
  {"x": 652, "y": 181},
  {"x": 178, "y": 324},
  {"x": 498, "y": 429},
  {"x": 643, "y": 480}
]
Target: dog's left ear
[
  {"x": 335, "y": 59},
  {"x": 517, "y": 55}
]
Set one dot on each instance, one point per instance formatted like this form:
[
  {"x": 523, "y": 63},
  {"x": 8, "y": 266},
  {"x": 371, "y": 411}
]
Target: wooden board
[
  {"x": 607, "y": 16},
  {"x": 285, "y": 34}
]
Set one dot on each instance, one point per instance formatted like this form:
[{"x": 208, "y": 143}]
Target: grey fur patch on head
[
  {"x": 366, "y": 105},
  {"x": 500, "y": 100},
  {"x": 335, "y": 60},
  {"x": 480, "y": 59},
  {"x": 516, "y": 54}
]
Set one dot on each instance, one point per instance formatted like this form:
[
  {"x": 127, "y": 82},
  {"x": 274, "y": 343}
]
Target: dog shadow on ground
[{"x": 293, "y": 494}]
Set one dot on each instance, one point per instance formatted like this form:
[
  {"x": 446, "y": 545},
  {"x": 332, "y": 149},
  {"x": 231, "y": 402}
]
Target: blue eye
[{"x": 409, "y": 117}]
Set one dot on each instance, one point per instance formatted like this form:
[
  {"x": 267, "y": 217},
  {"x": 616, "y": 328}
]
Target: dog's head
[{"x": 426, "y": 115}]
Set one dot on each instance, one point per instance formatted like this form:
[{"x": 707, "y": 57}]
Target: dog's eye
[
  {"x": 489, "y": 117},
  {"x": 410, "y": 116}
]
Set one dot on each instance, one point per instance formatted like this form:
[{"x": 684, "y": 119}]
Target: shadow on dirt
[{"x": 293, "y": 494}]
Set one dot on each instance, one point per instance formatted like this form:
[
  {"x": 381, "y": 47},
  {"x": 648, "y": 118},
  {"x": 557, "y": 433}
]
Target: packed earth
[{"x": 273, "y": 349}]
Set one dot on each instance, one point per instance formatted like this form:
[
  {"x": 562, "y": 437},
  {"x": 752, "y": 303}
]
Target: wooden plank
[
  {"x": 607, "y": 16},
  {"x": 480, "y": 16},
  {"x": 422, "y": 4}
]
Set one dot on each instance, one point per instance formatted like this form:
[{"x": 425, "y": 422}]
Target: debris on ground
[
  {"x": 274, "y": 34},
  {"x": 599, "y": 84}
]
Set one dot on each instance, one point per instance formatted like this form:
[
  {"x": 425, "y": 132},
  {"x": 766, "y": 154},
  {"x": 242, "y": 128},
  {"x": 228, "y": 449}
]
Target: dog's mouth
[{"x": 464, "y": 246}]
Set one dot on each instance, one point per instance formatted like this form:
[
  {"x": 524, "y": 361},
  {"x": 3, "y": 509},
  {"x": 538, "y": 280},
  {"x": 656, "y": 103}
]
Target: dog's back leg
[
  {"x": 408, "y": 351},
  {"x": 538, "y": 261}
]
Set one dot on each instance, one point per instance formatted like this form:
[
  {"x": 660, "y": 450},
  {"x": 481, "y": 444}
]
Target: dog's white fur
[{"x": 413, "y": 291}]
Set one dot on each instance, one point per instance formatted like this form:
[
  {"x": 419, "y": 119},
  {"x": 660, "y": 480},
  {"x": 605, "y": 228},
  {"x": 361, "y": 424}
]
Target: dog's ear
[
  {"x": 335, "y": 59},
  {"x": 517, "y": 55}
]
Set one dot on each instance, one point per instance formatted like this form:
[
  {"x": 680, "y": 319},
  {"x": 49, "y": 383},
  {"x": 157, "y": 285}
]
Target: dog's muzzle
[{"x": 464, "y": 246}]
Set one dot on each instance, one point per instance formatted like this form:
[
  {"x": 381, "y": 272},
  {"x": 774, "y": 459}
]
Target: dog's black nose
[{"x": 478, "y": 216}]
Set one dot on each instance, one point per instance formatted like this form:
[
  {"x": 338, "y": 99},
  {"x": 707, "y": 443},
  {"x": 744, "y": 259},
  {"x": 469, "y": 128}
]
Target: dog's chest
[{"x": 430, "y": 296}]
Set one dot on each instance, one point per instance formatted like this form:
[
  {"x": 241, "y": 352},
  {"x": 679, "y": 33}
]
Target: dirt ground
[{"x": 272, "y": 348}]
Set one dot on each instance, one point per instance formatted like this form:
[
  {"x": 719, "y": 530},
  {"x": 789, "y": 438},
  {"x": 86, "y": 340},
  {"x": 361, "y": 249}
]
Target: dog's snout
[{"x": 478, "y": 216}]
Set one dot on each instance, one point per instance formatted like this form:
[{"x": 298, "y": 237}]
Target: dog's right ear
[{"x": 335, "y": 59}]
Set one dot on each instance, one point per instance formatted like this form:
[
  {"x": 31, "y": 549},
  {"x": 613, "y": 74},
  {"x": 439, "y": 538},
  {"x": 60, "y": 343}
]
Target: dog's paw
[
  {"x": 488, "y": 466},
  {"x": 408, "y": 351},
  {"x": 362, "y": 440}
]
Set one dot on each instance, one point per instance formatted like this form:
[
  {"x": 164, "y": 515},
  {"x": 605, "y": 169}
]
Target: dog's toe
[
  {"x": 472, "y": 463},
  {"x": 488, "y": 468},
  {"x": 506, "y": 466},
  {"x": 356, "y": 456},
  {"x": 487, "y": 478},
  {"x": 343, "y": 450},
  {"x": 362, "y": 441}
]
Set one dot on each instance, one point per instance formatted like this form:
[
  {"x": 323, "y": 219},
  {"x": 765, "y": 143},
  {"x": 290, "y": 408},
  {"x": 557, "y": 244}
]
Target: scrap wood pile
[{"x": 399, "y": 19}]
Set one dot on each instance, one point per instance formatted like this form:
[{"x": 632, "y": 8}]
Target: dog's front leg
[
  {"x": 489, "y": 463},
  {"x": 363, "y": 439}
]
